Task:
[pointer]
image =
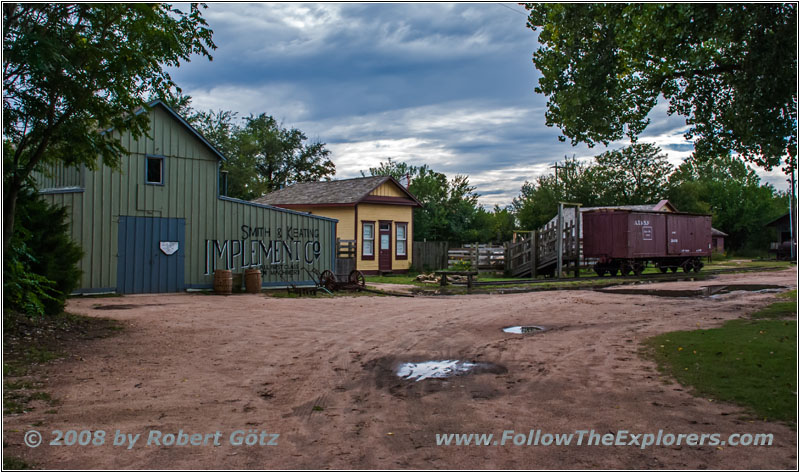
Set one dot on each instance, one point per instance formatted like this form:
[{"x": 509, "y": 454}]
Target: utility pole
[
  {"x": 792, "y": 215},
  {"x": 556, "y": 166}
]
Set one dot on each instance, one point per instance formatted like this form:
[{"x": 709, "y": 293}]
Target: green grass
[
  {"x": 781, "y": 309},
  {"x": 778, "y": 310},
  {"x": 14, "y": 463},
  {"x": 31, "y": 342},
  {"x": 394, "y": 279},
  {"x": 745, "y": 264},
  {"x": 747, "y": 362}
]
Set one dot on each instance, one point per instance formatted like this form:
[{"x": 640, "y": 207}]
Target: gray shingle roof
[{"x": 345, "y": 191}]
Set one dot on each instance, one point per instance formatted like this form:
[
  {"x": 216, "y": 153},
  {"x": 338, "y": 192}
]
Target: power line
[{"x": 512, "y": 9}]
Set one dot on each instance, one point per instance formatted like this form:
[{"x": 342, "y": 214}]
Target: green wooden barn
[{"x": 158, "y": 222}]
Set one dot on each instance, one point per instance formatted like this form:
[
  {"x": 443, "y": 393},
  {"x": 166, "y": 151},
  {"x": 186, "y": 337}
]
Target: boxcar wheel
[
  {"x": 599, "y": 270},
  {"x": 663, "y": 269},
  {"x": 674, "y": 269}
]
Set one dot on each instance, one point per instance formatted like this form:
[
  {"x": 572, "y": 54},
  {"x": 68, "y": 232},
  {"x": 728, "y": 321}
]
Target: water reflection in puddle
[
  {"x": 713, "y": 290},
  {"x": 524, "y": 329},
  {"x": 434, "y": 369}
]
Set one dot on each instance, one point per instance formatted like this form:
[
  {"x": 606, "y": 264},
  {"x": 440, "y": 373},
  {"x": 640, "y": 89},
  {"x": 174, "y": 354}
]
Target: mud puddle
[
  {"x": 706, "y": 291},
  {"x": 440, "y": 369},
  {"x": 123, "y": 306}
]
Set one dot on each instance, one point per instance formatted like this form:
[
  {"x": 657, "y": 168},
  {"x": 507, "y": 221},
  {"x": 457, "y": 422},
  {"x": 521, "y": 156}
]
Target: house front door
[{"x": 385, "y": 248}]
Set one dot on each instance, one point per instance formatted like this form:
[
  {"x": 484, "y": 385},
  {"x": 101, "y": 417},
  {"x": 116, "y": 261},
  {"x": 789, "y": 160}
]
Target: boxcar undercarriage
[{"x": 625, "y": 267}]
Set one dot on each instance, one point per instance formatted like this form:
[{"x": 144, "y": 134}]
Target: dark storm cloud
[{"x": 448, "y": 85}]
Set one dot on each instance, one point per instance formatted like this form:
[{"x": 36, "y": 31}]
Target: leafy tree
[
  {"x": 263, "y": 156},
  {"x": 732, "y": 193},
  {"x": 73, "y": 71},
  {"x": 730, "y": 69},
  {"x": 280, "y": 155},
  {"x": 449, "y": 207},
  {"x": 635, "y": 174},
  {"x": 537, "y": 202},
  {"x": 575, "y": 182},
  {"x": 396, "y": 169}
]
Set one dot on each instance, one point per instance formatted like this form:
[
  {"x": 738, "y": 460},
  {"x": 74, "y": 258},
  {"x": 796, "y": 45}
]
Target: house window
[
  {"x": 401, "y": 239},
  {"x": 155, "y": 170},
  {"x": 368, "y": 240}
]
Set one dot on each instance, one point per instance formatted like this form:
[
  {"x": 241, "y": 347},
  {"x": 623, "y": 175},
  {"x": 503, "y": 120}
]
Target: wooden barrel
[
  {"x": 223, "y": 281},
  {"x": 252, "y": 280}
]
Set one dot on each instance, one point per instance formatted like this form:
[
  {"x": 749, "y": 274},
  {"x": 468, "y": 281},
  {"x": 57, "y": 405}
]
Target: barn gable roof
[
  {"x": 338, "y": 192},
  {"x": 192, "y": 130}
]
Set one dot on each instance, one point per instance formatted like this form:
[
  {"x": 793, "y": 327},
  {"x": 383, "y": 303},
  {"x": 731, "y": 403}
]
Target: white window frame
[
  {"x": 364, "y": 239},
  {"x": 397, "y": 239}
]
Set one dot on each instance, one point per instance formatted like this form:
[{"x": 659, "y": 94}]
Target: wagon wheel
[
  {"x": 357, "y": 278},
  {"x": 328, "y": 280}
]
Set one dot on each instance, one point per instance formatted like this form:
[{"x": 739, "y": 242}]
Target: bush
[
  {"x": 42, "y": 268},
  {"x": 462, "y": 265},
  {"x": 25, "y": 291}
]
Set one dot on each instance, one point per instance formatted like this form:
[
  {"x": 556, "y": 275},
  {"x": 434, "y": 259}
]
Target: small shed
[
  {"x": 718, "y": 240},
  {"x": 783, "y": 226}
]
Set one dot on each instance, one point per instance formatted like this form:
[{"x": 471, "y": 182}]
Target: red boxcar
[{"x": 626, "y": 240}]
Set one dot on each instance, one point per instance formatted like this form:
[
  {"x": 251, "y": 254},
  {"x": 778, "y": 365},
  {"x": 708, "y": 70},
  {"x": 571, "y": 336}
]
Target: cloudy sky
[{"x": 448, "y": 85}]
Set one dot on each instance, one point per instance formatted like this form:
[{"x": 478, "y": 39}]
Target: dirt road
[{"x": 321, "y": 373}]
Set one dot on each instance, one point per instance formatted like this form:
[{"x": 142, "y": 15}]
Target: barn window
[
  {"x": 401, "y": 238},
  {"x": 368, "y": 239},
  {"x": 155, "y": 170}
]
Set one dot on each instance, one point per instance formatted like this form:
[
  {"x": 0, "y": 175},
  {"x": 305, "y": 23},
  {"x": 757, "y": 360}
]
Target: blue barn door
[{"x": 151, "y": 254}]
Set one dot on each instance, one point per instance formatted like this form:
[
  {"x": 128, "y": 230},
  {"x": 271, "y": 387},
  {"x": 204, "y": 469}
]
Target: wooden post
[
  {"x": 534, "y": 239},
  {"x": 506, "y": 258},
  {"x": 578, "y": 222},
  {"x": 560, "y": 241}
]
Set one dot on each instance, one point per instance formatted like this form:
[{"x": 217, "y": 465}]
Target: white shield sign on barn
[{"x": 168, "y": 247}]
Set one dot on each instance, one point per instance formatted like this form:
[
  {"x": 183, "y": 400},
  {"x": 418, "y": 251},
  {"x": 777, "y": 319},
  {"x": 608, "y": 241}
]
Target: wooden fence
[
  {"x": 429, "y": 255},
  {"x": 480, "y": 257}
]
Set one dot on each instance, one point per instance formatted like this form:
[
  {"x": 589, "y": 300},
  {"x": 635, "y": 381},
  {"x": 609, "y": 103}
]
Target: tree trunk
[{"x": 9, "y": 209}]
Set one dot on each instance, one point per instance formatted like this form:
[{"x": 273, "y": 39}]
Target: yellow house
[{"x": 377, "y": 212}]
